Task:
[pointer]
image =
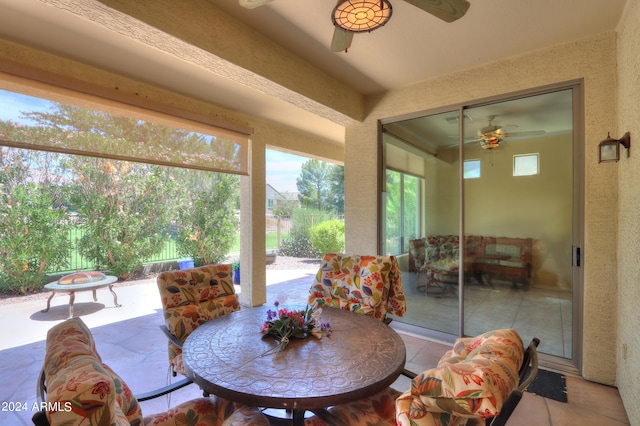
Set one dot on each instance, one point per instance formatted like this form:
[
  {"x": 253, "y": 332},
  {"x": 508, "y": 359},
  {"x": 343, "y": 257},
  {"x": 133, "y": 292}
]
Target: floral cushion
[
  {"x": 370, "y": 285},
  {"x": 440, "y": 252},
  {"x": 208, "y": 411},
  {"x": 192, "y": 297},
  {"x": 378, "y": 409},
  {"x": 471, "y": 380},
  {"x": 432, "y": 248},
  {"x": 449, "y": 247},
  {"x": 88, "y": 391}
]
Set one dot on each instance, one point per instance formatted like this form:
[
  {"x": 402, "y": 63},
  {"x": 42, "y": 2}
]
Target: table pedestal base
[{"x": 281, "y": 417}]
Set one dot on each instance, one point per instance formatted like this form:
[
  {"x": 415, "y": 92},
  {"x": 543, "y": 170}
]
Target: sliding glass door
[
  {"x": 425, "y": 175},
  {"x": 497, "y": 227}
]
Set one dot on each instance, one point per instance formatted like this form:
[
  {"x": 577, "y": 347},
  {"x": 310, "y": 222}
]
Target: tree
[
  {"x": 206, "y": 219},
  {"x": 122, "y": 210},
  {"x": 34, "y": 224},
  {"x": 125, "y": 208},
  {"x": 321, "y": 186},
  {"x": 336, "y": 194}
]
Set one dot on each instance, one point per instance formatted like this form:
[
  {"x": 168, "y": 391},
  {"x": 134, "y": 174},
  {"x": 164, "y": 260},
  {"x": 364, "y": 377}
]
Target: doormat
[{"x": 549, "y": 384}]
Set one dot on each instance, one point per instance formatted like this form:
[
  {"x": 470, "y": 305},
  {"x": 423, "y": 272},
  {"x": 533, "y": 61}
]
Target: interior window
[
  {"x": 471, "y": 169},
  {"x": 525, "y": 165}
]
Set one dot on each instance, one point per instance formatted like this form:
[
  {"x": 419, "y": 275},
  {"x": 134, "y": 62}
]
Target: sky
[
  {"x": 11, "y": 104},
  {"x": 283, "y": 169}
]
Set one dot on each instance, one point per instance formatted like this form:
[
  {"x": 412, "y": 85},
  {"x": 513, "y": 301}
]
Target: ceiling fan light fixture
[
  {"x": 359, "y": 16},
  {"x": 491, "y": 142}
]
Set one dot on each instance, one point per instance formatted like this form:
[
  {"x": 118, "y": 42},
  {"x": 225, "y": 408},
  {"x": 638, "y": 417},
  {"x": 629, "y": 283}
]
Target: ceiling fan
[
  {"x": 357, "y": 16},
  {"x": 491, "y": 136}
]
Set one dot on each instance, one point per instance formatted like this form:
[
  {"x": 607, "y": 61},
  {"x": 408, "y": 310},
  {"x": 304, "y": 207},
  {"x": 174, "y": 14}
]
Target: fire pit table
[{"x": 81, "y": 281}]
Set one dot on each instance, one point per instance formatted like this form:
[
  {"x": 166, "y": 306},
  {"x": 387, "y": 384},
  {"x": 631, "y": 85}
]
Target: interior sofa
[
  {"x": 485, "y": 258},
  {"x": 503, "y": 258}
]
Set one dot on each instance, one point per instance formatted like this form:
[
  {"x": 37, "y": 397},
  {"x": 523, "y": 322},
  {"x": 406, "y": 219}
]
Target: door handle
[{"x": 576, "y": 256}]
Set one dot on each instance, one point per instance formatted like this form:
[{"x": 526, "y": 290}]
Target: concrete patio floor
[{"x": 129, "y": 340}]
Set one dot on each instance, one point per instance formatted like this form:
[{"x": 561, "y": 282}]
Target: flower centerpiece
[{"x": 285, "y": 324}]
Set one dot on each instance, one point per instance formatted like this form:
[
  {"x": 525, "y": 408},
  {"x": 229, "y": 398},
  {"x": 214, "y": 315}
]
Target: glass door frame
[{"x": 574, "y": 364}]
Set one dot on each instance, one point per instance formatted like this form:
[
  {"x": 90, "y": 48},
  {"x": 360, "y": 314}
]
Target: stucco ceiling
[{"x": 413, "y": 46}]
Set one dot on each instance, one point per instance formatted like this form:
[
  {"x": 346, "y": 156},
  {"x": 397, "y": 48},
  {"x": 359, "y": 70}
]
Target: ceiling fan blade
[
  {"x": 341, "y": 40},
  {"x": 252, "y": 4},
  {"x": 447, "y": 10},
  {"x": 527, "y": 133}
]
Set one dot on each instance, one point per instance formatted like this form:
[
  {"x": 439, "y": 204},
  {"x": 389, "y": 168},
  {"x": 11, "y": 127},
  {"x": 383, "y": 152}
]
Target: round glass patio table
[{"x": 226, "y": 357}]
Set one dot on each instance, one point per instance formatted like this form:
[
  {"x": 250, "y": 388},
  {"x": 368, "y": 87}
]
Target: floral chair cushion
[
  {"x": 471, "y": 380},
  {"x": 88, "y": 392},
  {"x": 432, "y": 248},
  {"x": 378, "y": 410},
  {"x": 192, "y": 297},
  {"x": 370, "y": 285},
  {"x": 441, "y": 252},
  {"x": 208, "y": 411}
]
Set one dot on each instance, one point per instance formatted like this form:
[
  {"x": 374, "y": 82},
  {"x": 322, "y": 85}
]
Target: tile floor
[
  {"x": 129, "y": 340},
  {"x": 542, "y": 313}
]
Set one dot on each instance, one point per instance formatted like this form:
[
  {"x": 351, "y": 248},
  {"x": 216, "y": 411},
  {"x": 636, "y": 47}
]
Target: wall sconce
[{"x": 609, "y": 149}]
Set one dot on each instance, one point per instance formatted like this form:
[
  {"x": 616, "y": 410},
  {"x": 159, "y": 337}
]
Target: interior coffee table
[
  {"x": 226, "y": 357},
  {"x": 81, "y": 281}
]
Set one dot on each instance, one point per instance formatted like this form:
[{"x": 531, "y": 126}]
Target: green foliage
[
  {"x": 321, "y": 186},
  {"x": 33, "y": 226},
  {"x": 126, "y": 210},
  {"x": 207, "y": 221},
  {"x": 298, "y": 246},
  {"x": 78, "y": 128},
  {"x": 284, "y": 208},
  {"x": 121, "y": 208},
  {"x": 328, "y": 236}
]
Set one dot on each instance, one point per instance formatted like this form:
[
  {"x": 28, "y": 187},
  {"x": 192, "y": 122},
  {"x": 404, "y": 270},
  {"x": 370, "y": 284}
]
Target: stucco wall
[
  {"x": 594, "y": 61},
  {"x": 628, "y": 377}
]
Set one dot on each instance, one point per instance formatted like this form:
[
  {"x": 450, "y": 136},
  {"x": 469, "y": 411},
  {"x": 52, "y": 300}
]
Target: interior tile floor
[
  {"x": 129, "y": 340},
  {"x": 535, "y": 312}
]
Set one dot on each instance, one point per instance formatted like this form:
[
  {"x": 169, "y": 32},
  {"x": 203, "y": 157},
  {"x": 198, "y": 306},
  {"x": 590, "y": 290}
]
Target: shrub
[
  {"x": 33, "y": 238},
  {"x": 298, "y": 246},
  {"x": 207, "y": 217},
  {"x": 328, "y": 236}
]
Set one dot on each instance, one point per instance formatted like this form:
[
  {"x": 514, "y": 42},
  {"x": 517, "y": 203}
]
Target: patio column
[{"x": 253, "y": 279}]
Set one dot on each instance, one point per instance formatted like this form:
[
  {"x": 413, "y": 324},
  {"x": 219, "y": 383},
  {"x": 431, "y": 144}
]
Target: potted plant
[{"x": 235, "y": 266}]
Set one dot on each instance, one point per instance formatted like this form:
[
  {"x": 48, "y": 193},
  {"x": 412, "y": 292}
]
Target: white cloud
[{"x": 283, "y": 169}]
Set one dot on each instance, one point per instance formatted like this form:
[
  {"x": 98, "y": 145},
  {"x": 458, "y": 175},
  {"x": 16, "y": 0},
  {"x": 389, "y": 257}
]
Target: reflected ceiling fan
[
  {"x": 357, "y": 16},
  {"x": 491, "y": 136}
]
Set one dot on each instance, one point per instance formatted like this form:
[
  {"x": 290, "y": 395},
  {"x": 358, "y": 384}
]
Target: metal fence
[
  {"x": 278, "y": 229},
  {"x": 77, "y": 262}
]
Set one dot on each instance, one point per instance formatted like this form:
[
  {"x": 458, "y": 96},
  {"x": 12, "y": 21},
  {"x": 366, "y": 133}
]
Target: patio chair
[
  {"x": 369, "y": 285},
  {"x": 75, "y": 387},
  {"x": 526, "y": 375},
  {"x": 480, "y": 379},
  {"x": 190, "y": 298}
]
